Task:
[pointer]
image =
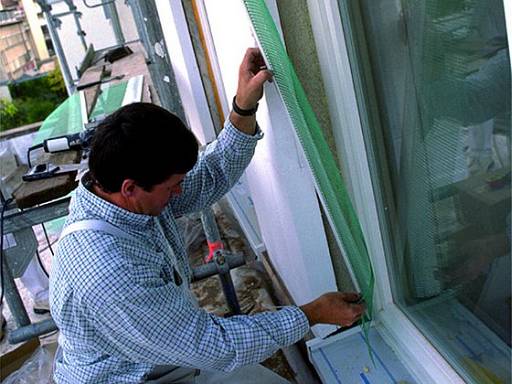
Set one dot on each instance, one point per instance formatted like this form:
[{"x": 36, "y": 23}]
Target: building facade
[
  {"x": 413, "y": 100},
  {"x": 17, "y": 53}
]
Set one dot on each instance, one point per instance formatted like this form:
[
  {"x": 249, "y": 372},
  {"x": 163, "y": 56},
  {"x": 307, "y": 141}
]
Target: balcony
[{"x": 12, "y": 16}]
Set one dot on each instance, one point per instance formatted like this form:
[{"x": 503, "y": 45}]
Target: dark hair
[{"x": 142, "y": 142}]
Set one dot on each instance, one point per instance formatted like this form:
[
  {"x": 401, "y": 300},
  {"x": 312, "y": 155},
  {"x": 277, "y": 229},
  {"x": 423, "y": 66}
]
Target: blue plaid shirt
[{"x": 115, "y": 301}]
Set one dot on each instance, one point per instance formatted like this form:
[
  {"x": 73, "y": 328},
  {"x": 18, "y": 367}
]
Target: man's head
[{"x": 140, "y": 154}]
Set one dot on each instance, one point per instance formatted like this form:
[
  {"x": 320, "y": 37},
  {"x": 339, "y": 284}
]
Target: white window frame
[{"x": 416, "y": 352}]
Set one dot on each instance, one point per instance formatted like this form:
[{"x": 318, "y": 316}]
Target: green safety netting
[
  {"x": 327, "y": 175},
  {"x": 109, "y": 100},
  {"x": 67, "y": 119}
]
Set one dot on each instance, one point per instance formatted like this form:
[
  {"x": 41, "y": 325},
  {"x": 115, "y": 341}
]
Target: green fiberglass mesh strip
[{"x": 326, "y": 172}]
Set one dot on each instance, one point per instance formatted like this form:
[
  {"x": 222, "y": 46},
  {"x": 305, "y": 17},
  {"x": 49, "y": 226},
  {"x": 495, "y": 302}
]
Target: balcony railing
[{"x": 7, "y": 17}]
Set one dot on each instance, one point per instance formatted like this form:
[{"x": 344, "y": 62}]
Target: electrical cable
[
  {"x": 38, "y": 255},
  {"x": 2, "y": 212},
  {"x": 30, "y": 150},
  {"x": 42, "y": 249},
  {"x": 47, "y": 239}
]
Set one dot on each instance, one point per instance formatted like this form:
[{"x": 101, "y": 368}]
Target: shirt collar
[{"x": 107, "y": 211}]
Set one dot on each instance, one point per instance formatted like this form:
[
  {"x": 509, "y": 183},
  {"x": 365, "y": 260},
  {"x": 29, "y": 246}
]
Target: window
[
  {"x": 48, "y": 40},
  {"x": 440, "y": 71}
]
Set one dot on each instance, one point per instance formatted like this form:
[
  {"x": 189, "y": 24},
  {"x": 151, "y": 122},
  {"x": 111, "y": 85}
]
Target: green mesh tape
[{"x": 323, "y": 165}]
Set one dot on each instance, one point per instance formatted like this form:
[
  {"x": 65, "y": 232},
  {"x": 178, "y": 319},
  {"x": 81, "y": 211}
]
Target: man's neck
[{"x": 114, "y": 198}]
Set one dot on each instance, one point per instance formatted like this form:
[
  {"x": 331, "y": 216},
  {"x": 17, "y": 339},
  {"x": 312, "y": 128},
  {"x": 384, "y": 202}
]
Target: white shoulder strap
[{"x": 96, "y": 225}]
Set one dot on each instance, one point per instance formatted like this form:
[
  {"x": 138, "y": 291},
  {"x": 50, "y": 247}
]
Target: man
[{"x": 119, "y": 285}]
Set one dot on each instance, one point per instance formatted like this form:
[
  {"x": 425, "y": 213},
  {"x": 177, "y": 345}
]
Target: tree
[
  {"x": 9, "y": 116},
  {"x": 56, "y": 82}
]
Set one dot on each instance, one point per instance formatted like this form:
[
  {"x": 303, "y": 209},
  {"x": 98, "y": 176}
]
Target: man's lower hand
[{"x": 339, "y": 308}]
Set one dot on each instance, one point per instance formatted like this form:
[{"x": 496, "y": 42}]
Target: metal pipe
[
  {"x": 62, "y": 14},
  {"x": 52, "y": 28},
  {"x": 227, "y": 283},
  {"x": 100, "y": 4},
  {"x": 116, "y": 24},
  {"x": 12, "y": 296},
  {"x": 30, "y": 331},
  {"x": 111, "y": 10},
  {"x": 76, "y": 15},
  {"x": 210, "y": 226},
  {"x": 146, "y": 19},
  {"x": 207, "y": 270},
  {"x": 219, "y": 259}
]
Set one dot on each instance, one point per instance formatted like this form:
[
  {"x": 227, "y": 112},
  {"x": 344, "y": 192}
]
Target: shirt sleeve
[
  {"x": 160, "y": 326},
  {"x": 218, "y": 168}
]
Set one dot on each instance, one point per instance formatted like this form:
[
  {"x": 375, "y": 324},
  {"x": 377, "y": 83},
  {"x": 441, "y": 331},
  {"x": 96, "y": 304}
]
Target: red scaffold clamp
[{"x": 212, "y": 248}]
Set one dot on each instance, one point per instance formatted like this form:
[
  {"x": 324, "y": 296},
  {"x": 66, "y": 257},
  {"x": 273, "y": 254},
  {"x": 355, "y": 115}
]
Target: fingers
[
  {"x": 351, "y": 297},
  {"x": 335, "y": 308},
  {"x": 253, "y": 61},
  {"x": 252, "y": 76},
  {"x": 254, "y": 56},
  {"x": 351, "y": 309},
  {"x": 358, "y": 310},
  {"x": 261, "y": 77}
]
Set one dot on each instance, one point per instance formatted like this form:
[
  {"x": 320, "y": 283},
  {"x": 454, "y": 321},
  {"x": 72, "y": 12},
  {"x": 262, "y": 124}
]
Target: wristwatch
[{"x": 244, "y": 112}]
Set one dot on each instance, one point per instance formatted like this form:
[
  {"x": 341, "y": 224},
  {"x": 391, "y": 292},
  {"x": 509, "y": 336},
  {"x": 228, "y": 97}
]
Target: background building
[
  {"x": 38, "y": 30},
  {"x": 17, "y": 53}
]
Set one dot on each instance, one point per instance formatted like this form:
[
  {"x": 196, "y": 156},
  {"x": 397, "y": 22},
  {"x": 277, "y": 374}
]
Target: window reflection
[{"x": 441, "y": 70}]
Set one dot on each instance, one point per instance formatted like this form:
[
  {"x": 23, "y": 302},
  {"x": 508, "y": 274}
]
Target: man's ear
[{"x": 128, "y": 188}]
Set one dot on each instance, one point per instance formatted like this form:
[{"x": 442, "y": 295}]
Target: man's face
[{"x": 154, "y": 202}]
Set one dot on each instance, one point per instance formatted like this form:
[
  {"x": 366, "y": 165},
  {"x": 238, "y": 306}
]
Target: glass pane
[{"x": 441, "y": 71}]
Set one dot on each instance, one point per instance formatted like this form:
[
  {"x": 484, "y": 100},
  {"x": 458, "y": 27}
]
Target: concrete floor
[{"x": 251, "y": 285}]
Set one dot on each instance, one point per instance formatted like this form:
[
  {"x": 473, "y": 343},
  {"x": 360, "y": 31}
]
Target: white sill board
[{"x": 344, "y": 358}]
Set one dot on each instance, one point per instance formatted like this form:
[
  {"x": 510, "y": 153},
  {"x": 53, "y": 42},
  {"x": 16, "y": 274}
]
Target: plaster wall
[{"x": 301, "y": 48}]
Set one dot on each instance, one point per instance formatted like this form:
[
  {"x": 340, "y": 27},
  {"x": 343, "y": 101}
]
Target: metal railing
[{"x": 11, "y": 16}]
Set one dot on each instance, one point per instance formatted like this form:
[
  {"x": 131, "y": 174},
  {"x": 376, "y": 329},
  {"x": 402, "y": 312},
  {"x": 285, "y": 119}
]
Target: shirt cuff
[
  {"x": 298, "y": 322},
  {"x": 239, "y": 138}
]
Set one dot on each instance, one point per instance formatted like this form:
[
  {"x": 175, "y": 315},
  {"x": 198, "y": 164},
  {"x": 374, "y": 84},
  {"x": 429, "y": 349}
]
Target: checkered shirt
[{"x": 117, "y": 305}]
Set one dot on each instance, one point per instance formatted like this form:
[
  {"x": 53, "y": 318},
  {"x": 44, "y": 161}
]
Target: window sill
[{"x": 413, "y": 349}]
